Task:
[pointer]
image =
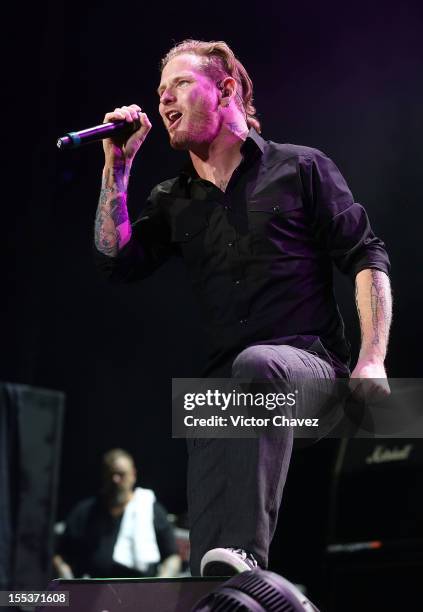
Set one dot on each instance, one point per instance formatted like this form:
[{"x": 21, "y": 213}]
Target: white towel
[{"x": 136, "y": 545}]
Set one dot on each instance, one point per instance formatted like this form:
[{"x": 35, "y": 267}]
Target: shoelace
[{"x": 245, "y": 556}]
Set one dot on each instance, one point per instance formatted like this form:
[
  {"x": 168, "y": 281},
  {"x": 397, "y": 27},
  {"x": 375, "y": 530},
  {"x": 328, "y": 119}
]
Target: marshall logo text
[{"x": 381, "y": 454}]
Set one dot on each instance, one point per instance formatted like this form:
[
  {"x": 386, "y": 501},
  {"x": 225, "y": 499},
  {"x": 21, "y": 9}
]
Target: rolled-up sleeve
[
  {"x": 339, "y": 223},
  {"x": 148, "y": 248}
]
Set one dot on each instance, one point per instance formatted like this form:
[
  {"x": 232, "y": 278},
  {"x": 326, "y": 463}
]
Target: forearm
[
  {"x": 112, "y": 226},
  {"x": 374, "y": 307},
  {"x": 170, "y": 567},
  {"x": 62, "y": 568}
]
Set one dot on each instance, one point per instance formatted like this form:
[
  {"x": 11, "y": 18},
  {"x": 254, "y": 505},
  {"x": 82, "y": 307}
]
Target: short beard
[
  {"x": 188, "y": 141},
  {"x": 116, "y": 498},
  {"x": 120, "y": 497},
  {"x": 180, "y": 142}
]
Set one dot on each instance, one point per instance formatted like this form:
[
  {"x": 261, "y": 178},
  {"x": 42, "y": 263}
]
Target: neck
[{"x": 217, "y": 160}]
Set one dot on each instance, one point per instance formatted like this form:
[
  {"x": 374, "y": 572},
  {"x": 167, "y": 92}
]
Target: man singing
[{"x": 259, "y": 225}]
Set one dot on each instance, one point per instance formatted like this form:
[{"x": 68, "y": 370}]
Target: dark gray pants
[{"x": 235, "y": 485}]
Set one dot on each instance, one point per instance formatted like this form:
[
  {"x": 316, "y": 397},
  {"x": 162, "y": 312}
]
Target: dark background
[{"x": 345, "y": 79}]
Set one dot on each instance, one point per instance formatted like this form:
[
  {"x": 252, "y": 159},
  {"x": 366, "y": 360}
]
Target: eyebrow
[{"x": 175, "y": 78}]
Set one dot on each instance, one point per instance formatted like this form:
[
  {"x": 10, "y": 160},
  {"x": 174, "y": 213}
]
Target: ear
[{"x": 228, "y": 90}]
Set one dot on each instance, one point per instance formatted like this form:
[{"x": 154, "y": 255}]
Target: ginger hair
[{"x": 219, "y": 62}]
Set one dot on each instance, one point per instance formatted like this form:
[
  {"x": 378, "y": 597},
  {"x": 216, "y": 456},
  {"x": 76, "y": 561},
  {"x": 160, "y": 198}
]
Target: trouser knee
[{"x": 260, "y": 362}]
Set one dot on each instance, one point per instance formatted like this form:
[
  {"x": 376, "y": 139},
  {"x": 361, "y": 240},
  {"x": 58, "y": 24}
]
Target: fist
[
  {"x": 124, "y": 148},
  {"x": 369, "y": 382}
]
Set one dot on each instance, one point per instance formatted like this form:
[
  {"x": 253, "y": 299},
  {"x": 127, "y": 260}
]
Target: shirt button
[
  {"x": 230, "y": 244},
  {"x": 243, "y": 321},
  {"x": 226, "y": 207},
  {"x": 237, "y": 282},
  {"x": 186, "y": 234}
]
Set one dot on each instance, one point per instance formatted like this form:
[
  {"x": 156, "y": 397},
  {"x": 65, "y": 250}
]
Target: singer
[{"x": 259, "y": 225}]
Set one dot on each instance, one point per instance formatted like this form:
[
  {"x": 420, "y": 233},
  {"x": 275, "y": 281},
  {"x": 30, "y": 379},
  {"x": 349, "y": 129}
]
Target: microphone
[{"x": 72, "y": 140}]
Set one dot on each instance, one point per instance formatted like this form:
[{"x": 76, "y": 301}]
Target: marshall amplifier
[
  {"x": 374, "y": 554},
  {"x": 377, "y": 492}
]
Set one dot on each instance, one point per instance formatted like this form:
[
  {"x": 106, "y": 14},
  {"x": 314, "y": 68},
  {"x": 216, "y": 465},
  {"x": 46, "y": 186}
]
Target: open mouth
[{"x": 173, "y": 117}]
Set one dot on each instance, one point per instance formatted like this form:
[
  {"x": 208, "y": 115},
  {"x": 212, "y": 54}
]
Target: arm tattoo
[
  {"x": 374, "y": 308},
  {"x": 378, "y": 304},
  {"x": 112, "y": 220},
  {"x": 118, "y": 213},
  {"x": 358, "y": 311}
]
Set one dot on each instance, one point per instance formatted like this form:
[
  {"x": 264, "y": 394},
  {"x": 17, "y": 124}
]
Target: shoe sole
[{"x": 221, "y": 562}]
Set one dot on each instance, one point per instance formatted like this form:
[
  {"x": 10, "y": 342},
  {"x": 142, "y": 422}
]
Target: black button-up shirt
[{"x": 259, "y": 255}]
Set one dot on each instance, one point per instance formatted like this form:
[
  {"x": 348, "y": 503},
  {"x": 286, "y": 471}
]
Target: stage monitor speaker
[
  {"x": 133, "y": 594},
  {"x": 30, "y": 441}
]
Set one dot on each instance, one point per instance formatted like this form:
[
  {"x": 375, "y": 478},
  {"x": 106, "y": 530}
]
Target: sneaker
[{"x": 227, "y": 562}]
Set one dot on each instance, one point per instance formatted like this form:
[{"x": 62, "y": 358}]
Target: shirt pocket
[
  {"x": 277, "y": 190},
  {"x": 276, "y": 219}
]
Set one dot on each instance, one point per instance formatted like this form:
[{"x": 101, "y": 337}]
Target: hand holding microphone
[
  {"x": 122, "y": 146},
  {"x": 123, "y": 131}
]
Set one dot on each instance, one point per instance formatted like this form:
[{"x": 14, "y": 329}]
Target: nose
[{"x": 167, "y": 97}]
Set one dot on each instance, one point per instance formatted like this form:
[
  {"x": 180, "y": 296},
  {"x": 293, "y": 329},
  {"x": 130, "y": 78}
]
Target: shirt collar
[
  {"x": 253, "y": 143},
  {"x": 254, "y": 137}
]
